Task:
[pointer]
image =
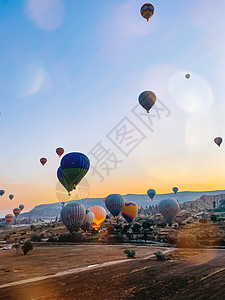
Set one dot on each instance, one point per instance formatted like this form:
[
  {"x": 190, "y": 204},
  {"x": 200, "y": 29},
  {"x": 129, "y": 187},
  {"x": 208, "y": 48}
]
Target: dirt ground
[
  {"x": 186, "y": 276},
  {"x": 52, "y": 259}
]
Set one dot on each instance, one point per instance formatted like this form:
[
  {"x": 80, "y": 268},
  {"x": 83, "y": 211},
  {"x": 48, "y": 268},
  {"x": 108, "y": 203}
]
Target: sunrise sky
[{"x": 70, "y": 76}]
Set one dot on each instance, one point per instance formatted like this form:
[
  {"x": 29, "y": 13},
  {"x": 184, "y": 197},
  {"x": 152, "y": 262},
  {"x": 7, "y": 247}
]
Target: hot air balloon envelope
[
  {"x": 218, "y": 141},
  {"x": 74, "y": 166},
  {"x": 100, "y": 215},
  {"x": 147, "y": 11},
  {"x": 129, "y": 211},
  {"x": 169, "y": 209},
  {"x": 43, "y": 160},
  {"x": 11, "y": 197},
  {"x": 59, "y": 151},
  {"x": 9, "y": 218},
  {"x": 88, "y": 220},
  {"x": 114, "y": 203},
  {"x": 175, "y": 190},
  {"x": 73, "y": 215},
  {"x": 21, "y": 206},
  {"x": 147, "y": 99},
  {"x": 187, "y": 76},
  {"x": 151, "y": 193},
  {"x": 64, "y": 181},
  {"x": 2, "y": 192},
  {"x": 16, "y": 211}
]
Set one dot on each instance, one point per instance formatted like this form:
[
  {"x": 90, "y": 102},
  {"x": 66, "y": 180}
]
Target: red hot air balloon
[
  {"x": 9, "y": 218},
  {"x": 60, "y": 151},
  {"x": 43, "y": 160}
]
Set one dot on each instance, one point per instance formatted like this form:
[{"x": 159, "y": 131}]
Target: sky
[{"x": 70, "y": 76}]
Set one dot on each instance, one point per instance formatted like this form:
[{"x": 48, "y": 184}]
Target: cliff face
[{"x": 204, "y": 203}]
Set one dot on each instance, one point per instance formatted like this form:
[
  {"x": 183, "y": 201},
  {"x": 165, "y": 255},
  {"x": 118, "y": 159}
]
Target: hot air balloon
[
  {"x": 175, "y": 190},
  {"x": 147, "y": 99},
  {"x": 64, "y": 181},
  {"x": 218, "y": 141},
  {"x": 100, "y": 215},
  {"x": 73, "y": 215},
  {"x": 187, "y": 76},
  {"x": 2, "y": 192},
  {"x": 114, "y": 203},
  {"x": 104, "y": 199},
  {"x": 63, "y": 204},
  {"x": 16, "y": 212},
  {"x": 21, "y": 206},
  {"x": 43, "y": 160},
  {"x": 59, "y": 151},
  {"x": 129, "y": 211},
  {"x": 11, "y": 196},
  {"x": 74, "y": 166},
  {"x": 151, "y": 193},
  {"x": 169, "y": 209},
  {"x": 88, "y": 220},
  {"x": 9, "y": 218},
  {"x": 147, "y": 11}
]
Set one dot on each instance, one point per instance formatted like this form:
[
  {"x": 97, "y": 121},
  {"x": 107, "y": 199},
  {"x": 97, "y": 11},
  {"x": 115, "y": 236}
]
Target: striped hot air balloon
[
  {"x": 147, "y": 11},
  {"x": 43, "y": 160},
  {"x": 100, "y": 215},
  {"x": 59, "y": 151},
  {"x": 73, "y": 216},
  {"x": 129, "y": 211},
  {"x": 9, "y": 218},
  {"x": 16, "y": 212},
  {"x": 114, "y": 203}
]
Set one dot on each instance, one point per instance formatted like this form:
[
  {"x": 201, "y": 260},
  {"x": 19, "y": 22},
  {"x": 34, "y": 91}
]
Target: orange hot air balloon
[
  {"x": 100, "y": 215},
  {"x": 17, "y": 211},
  {"x": 9, "y": 218},
  {"x": 43, "y": 160},
  {"x": 147, "y": 11},
  {"x": 129, "y": 211},
  {"x": 60, "y": 151},
  {"x": 104, "y": 199}
]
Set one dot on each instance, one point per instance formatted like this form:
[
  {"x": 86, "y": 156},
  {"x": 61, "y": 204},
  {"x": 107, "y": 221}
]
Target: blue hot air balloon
[
  {"x": 21, "y": 206},
  {"x": 151, "y": 193},
  {"x": 175, "y": 190},
  {"x": 74, "y": 166},
  {"x": 169, "y": 209},
  {"x": 2, "y": 192},
  {"x": 114, "y": 203},
  {"x": 73, "y": 216},
  {"x": 147, "y": 99},
  {"x": 89, "y": 220},
  {"x": 63, "y": 204},
  {"x": 11, "y": 197}
]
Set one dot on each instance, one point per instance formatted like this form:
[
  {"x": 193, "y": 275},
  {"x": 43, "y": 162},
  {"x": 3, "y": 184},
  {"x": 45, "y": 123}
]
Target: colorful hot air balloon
[
  {"x": 187, "y": 76},
  {"x": 43, "y": 160},
  {"x": 129, "y": 211},
  {"x": 11, "y": 196},
  {"x": 169, "y": 209},
  {"x": 9, "y": 218},
  {"x": 147, "y": 99},
  {"x": 64, "y": 181},
  {"x": 16, "y": 212},
  {"x": 218, "y": 141},
  {"x": 151, "y": 193},
  {"x": 2, "y": 192},
  {"x": 114, "y": 203},
  {"x": 21, "y": 206},
  {"x": 100, "y": 215},
  {"x": 147, "y": 11},
  {"x": 89, "y": 220},
  {"x": 74, "y": 166},
  {"x": 175, "y": 190},
  {"x": 59, "y": 151},
  {"x": 73, "y": 215}
]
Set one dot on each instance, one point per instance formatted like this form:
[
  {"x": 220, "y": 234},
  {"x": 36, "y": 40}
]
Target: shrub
[
  {"x": 37, "y": 238},
  {"x": 52, "y": 239},
  {"x": 130, "y": 253},
  {"x": 72, "y": 237},
  {"x": 136, "y": 228},
  {"x": 214, "y": 218},
  {"x": 110, "y": 229},
  {"x": 160, "y": 256},
  {"x": 28, "y": 246}
]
